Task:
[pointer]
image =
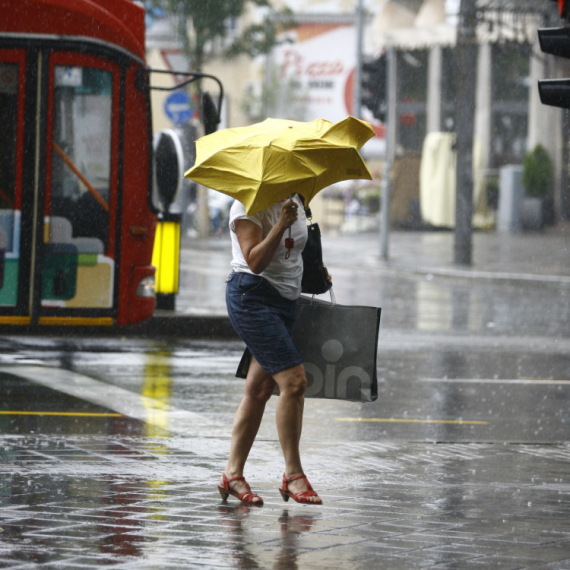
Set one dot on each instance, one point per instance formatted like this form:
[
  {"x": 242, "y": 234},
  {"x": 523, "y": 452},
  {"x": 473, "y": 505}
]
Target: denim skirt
[{"x": 264, "y": 321}]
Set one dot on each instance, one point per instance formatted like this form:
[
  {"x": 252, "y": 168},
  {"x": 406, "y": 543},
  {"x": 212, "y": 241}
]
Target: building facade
[{"x": 313, "y": 76}]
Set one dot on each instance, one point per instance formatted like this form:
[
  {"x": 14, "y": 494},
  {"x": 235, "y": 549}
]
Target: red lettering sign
[{"x": 294, "y": 63}]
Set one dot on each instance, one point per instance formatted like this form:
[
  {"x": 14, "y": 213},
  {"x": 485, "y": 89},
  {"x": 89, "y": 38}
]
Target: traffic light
[
  {"x": 556, "y": 41},
  {"x": 373, "y": 87}
]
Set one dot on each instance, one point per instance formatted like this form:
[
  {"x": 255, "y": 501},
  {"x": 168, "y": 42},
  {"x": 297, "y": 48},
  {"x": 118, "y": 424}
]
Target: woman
[{"x": 261, "y": 296}]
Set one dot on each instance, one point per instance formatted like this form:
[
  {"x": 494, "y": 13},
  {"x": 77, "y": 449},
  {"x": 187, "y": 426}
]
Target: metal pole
[
  {"x": 359, "y": 16},
  {"x": 465, "y": 117},
  {"x": 389, "y": 137}
]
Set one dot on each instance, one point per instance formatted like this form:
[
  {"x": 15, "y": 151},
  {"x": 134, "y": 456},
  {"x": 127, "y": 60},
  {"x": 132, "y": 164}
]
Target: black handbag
[{"x": 316, "y": 279}]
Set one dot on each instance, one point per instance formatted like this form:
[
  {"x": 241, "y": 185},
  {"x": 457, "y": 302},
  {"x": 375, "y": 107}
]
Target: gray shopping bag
[{"x": 339, "y": 346}]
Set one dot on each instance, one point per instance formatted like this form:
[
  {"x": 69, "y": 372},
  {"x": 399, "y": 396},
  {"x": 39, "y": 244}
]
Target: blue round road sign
[{"x": 178, "y": 107}]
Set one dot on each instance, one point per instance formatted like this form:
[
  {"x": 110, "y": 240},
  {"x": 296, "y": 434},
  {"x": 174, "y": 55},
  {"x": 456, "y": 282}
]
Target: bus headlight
[{"x": 146, "y": 287}]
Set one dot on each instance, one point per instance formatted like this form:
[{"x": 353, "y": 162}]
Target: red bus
[{"x": 77, "y": 207}]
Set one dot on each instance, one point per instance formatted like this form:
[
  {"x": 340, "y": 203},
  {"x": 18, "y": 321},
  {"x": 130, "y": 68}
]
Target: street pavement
[
  {"x": 463, "y": 461},
  {"x": 501, "y": 258}
]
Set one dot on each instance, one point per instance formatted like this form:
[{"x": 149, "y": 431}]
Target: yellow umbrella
[{"x": 265, "y": 163}]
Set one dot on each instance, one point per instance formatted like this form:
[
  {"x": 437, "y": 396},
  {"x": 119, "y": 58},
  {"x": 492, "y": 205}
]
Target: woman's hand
[
  {"x": 258, "y": 251},
  {"x": 289, "y": 215}
]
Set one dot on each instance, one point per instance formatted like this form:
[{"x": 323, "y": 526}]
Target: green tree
[{"x": 203, "y": 22}]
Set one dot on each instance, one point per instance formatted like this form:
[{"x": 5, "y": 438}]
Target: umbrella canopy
[{"x": 265, "y": 163}]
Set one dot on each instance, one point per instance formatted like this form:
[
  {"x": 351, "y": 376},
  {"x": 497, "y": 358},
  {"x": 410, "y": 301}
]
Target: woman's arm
[{"x": 257, "y": 250}]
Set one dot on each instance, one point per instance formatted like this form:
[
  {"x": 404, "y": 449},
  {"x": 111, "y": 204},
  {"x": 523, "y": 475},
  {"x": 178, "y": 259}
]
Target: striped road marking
[
  {"x": 120, "y": 401},
  {"x": 414, "y": 421},
  {"x": 543, "y": 381}
]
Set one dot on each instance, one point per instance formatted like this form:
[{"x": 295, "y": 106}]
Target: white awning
[{"x": 413, "y": 38}]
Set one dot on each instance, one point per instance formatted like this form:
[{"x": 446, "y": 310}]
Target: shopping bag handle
[{"x": 333, "y": 297}]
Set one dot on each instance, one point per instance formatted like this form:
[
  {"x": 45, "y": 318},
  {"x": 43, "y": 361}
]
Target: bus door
[
  {"x": 59, "y": 179},
  {"x": 79, "y": 252},
  {"x": 14, "y": 273}
]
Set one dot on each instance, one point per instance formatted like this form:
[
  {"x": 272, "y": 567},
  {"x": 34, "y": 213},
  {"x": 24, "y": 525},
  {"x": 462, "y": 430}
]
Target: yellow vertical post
[{"x": 166, "y": 259}]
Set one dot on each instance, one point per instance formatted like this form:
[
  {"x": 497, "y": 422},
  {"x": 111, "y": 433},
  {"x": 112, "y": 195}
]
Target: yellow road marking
[
  {"x": 76, "y": 414},
  {"x": 77, "y": 321},
  {"x": 414, "y": 421}
]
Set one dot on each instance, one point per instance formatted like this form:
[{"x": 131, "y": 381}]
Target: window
[
  {"x": 448, "y": 89},
  {"x": 8, "y": 133},
  {"x": 511, "y": 79},
  {"x": 412, "y": 69},
  {"x": 9, "y": 218},
  {"x": 81, "y": 153}
]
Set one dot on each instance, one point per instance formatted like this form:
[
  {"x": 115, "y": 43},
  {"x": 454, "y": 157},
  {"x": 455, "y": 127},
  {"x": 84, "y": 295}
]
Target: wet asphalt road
[
  {"x": 437, "y": 389},
  {"x": 111, "y": 447}
]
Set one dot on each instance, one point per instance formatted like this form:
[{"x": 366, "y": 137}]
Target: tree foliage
[{"x": 206, "y": 21}]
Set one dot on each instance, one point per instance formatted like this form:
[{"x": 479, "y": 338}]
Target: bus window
[
  {"x": 8, "y": 120},
  {"x": 9, "y": 227},
  {"x": 78, "y": 265},
  {"x": 81, "y": 151}
]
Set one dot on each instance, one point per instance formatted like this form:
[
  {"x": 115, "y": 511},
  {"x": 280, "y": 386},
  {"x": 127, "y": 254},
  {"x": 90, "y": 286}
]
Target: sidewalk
[
  {"x": 511, "y": 259},
  {"x": 131, "y": 503}
]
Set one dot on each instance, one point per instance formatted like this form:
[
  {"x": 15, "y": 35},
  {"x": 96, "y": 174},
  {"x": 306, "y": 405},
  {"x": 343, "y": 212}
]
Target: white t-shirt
[{"x": 284, "y": 274}]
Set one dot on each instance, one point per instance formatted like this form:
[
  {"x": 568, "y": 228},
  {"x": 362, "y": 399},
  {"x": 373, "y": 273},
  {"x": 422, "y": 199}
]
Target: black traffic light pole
[
  {"x": 465, "y": 118},
  {"x": 377, "y": 80},
  {"x": 358, "y": 75},
  {"x": 556, "y": 92},
  {"x": 389, "y": 137}
]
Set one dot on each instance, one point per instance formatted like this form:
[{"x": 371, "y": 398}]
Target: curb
[
  {"x": 493, "y": 275},
  {"x": 180, "y": 325},
  {"x": 158, "y": 326}
]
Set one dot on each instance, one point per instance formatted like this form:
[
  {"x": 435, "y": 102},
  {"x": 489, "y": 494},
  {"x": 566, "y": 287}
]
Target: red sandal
[
  {"x": 246, "y": 497},
  {"x": 299, "y": 497}
]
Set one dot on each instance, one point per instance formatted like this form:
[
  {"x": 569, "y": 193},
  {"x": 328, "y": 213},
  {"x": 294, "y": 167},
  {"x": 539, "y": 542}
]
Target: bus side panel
[{"x": 138, "y": 221}]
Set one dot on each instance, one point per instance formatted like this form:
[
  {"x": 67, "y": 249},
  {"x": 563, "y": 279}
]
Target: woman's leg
[
  {"x": 258, "y": 389},
  {"x": 292, "y": 385}
]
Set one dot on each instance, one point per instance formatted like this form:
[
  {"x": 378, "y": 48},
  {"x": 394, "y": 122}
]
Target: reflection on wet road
[
  {"x": 28, "y": 407},
  {"x": 85, "y": 502},
  {"x": 413, "y": 298},
  {"x": 110, "y": 450},
  {"x": 430, "y": 389}
]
